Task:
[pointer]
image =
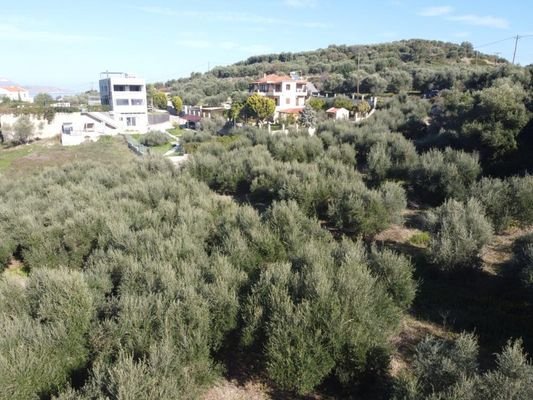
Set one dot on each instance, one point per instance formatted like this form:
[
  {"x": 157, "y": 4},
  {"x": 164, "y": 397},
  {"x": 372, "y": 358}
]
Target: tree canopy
[{"x": 260, "y": 107}]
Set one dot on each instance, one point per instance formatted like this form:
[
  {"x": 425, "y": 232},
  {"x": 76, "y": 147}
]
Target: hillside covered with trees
[
  {"x": 388, "y": 259},
  {"x": 409, "y": 65}
]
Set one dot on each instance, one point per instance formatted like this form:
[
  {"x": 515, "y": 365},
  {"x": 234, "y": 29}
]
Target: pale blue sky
[{"x": 68, "y": 43}]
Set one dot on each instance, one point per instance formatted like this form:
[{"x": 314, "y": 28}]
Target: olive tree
[
  {"x": 459, "y": 231},
  {"x": 260, "y": 107},
  {"x": 23, "y": 129}
]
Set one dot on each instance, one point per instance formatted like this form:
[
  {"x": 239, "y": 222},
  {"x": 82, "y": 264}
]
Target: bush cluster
[
  {"x": 449, "y": 370},
  {"x": 506, "y": 201},
  {"x": 523, "y": 259},
  {"x": 299, "y": 169},
  {"x": 137, "y": 278},
  {"x": 156, "y": 138},
  {"x": 459, "y": 231}
]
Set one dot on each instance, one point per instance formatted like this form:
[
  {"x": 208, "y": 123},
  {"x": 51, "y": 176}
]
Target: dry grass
[
  {"x": 402, "y": 234},
  {"x": 413, "y": 331},
  {"x": 44, "y": 153},
  {"x": 15, "y": 272},
  {"x": 232, "y": 390},
  {"x": 498, "y": 253},
  {"x": 396, "y": 234}
]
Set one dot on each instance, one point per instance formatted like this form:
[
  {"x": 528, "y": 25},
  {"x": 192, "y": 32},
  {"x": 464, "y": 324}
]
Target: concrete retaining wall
[{"x": 43, "y": 129}]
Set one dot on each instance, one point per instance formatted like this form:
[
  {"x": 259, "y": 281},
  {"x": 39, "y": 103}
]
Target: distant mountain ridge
[
  {"x": 35, "y": 89},
  {"x": 51, "y": 90}
]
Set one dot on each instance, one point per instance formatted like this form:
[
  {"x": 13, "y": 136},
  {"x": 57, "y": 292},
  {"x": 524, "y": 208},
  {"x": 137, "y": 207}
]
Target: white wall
[
  {"x": 290, "y": 97},
  {"x": 123, "y": 112},
  {"x": 342, "y": 114},
  {"x": 44, "y": 130},
  {"x": 22, "y": 95},
  {"x": 72, "y": 140}
]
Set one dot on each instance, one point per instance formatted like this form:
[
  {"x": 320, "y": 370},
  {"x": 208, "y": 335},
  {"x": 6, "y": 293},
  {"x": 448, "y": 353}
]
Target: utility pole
[
  {"x": 515, "y": 46},
  {"x": 358, "y": 59}
]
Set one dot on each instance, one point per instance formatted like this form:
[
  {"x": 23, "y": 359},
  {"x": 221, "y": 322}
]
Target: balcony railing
[{"x": 268, "y": 92}]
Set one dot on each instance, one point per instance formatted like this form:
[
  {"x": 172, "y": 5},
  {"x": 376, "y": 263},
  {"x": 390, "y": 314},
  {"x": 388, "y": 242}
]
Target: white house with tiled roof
[
  {"x": 289, "y": 92},
  {"x": 15, "y": 93},
  {"x": 338, "y": 113}
]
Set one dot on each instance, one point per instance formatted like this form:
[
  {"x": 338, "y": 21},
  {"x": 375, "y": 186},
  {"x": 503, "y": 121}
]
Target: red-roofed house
[
  {"x": 289, "y": 92},
  {"x": 16, "y": 93},
  {"x": 338, "y": 113}
]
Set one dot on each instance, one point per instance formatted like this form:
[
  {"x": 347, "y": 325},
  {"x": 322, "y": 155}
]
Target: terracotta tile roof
[
  {"x": 334, "y": 109},
  {"x": 273, "y": 78},
  {"x": 15, "y": 89},
  {"x": 192, "y": 118},
  {"x": 295, "y": 110}
]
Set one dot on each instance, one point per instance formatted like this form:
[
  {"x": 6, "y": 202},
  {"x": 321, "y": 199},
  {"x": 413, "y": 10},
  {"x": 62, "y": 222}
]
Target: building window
[
  {"x": 123, "y": 102},
  {"x": 288, "y": 86},
  {"x": 135, "y": 88},
  {"x": 131, "y": 121},
  {"x": 137, "y": 102},
  {"x": 119, "y": 88},
  {"x": 287, "y": 101}
]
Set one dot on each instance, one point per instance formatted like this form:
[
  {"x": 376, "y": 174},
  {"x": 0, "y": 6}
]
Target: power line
[
  {"x": 516, "y": 38},
  {"x": 358, "y": 59},
  {"x": 515, "y": 46},
  {"x": 495, "y": 42}
]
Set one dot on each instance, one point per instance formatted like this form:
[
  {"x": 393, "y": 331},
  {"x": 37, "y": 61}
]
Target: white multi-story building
[
  {"x": 289, "y": 92},
  {"x": 125, "y": 94},
  {"x": 15, "y": 93}
]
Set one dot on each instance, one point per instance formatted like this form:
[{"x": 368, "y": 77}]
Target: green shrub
[
  {"x": 301, "y": 149},
  {"x": 359, "y": 210},
  {"x": 495, "y": 196},
  {"x": 512, "y": 377},
  {"x": 439, "y": 175},
  {"x": 356, "y": 209},
  {"x": 439, "y": 364},
  {"x": 379, "y": 162},
  {"x": 458, "y": 232},
  {"x": 521, "y": 189},
  {"x": 523, "y": 259},
  {"x": 506, "y": 201},
  {"x": 420, "y": 239},
  {"x": 45, "y": 342},
  {"x": 448, "y": 370},
  {"x": 309, "y": 313},
  {"x": 394, "y": 200},
  {"x": 156, "y": 138},
  {"x": 344, "y": 153},
  {"x": 139, "y": 275},
  {"x": 395, "y": 272}
]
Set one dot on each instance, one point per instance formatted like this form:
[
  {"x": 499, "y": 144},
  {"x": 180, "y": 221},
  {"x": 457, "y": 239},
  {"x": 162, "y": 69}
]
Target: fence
[
  {"x": 136, "y": 147},
  {"x": 158, "y": 118}
]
